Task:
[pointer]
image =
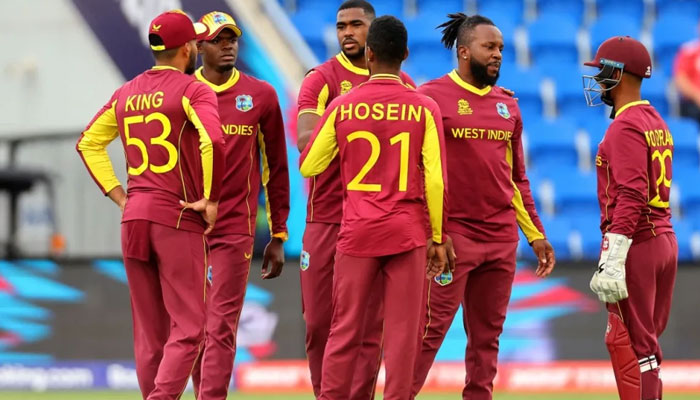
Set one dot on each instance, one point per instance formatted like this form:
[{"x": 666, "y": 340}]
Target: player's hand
[
  {"x": 208, "y": 210},
  {"x": 451, "y": 254},
  {"x": 545, "y": 257},
  {"x": 118, "y": 196},
  {"x": 608, "y": 281},
  {"x": 274, "y": 257},
  {"x": 437, "y": 260},
  {"x": 509, "y": 93}
]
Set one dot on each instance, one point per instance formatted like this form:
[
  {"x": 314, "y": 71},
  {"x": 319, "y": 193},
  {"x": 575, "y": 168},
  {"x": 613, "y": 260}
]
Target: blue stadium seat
[
  {"x": 501, "y": 10},
  {"x": 552, "y": 41},
  {"x": 629, "y": 8},
  {"x": 685, "y": 142},
  {"x": 669, "y": 33},
  {"x": 568, "y": 83},
  {"x": 388, "y": 7},
  {"x": 571, "y": 9},
  {"x": 421, "y": 71},
  {"x": 443, "y": 7},
  {"x": 611, "y": 25},
  {"x": 686, "y": 180},
  {"x": 313, "y": 32},
  {"x": 428, "y": 57},
  {"x": 551, "y": 144},
  {"x": 526, "y": 84},
  {"x": 684, "y": 232},
  {"x": 690, "y": 8},
  {"x": 654, "y": 90},
  {"x": 595, "y": 127},
  {"x": 558, "y": 230},
  {"x": 325, "y": 7},
  {"x": 587, "y": 225},
  {"x": 574, "y": 191}
]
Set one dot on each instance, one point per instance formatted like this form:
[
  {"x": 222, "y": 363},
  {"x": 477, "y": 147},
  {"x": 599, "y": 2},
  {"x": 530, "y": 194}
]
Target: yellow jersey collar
[
  {"x": 163, "y": 67},
  {"x": 466, "y": 85},
  {"x": 385, "y": 77},
  {"x": 347, "y": 64},
  {"x": 632, "y": 104},
  {"x": 224, "y": 86}
]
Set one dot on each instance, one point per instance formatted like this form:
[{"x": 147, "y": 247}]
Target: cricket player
[
  {"x": 387, "y": 139},
  {"x": 491, "y": 198},
  {"x": 169, "y": 126},
  {"x": 321, "y": 85},
  {"x": 254, "y": 134},
  {"x": 639, "y": 256}
]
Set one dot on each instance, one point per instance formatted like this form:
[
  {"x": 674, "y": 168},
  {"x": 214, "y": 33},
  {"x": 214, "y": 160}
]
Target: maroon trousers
[
  {"x": 230, "y": 260},
  {"x": 650, "y": 275},
  {"x": 166, "y": 269},
  {"x": 482, "y": 283},
  {"x": 316, "y": 300},
  {"x": 353, "y": 282}
]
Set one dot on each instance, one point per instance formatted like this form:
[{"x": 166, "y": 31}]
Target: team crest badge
[
  {"x": 444, "y": 279},
  {"x": 244, "y": 102},
  {"x": 463, "y": 107},
  {"x": 304, "y": 261},
  {"x": 503, "y": 110},
  {"x": 209, "y": 274},
  {"x": 345, "y": 86},
  {"x": 219, "y": 18}
]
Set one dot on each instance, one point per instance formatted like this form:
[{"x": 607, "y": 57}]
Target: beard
[
  {"x": 224, "y": 67},
  {"x": 192, "y": 64},
  {"x": 480, "y": 72},
  {"x": 357, "y": 55}
]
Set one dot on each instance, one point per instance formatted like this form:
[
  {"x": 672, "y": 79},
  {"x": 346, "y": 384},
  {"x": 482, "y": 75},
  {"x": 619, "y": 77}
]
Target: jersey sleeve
[
  {"x": 524, "y": 204},
  {"x": 407, "y": 80},
  {"x": 201, "y": 107},
  {"x": 313, "y": 94},
  {"x": 92, "y": 145},
  {"x": 435, "y": 172},
  {"x": 628, "y": 164},
  {"x": 275, "y": 171},
  {"x": 322, "y": 147}
]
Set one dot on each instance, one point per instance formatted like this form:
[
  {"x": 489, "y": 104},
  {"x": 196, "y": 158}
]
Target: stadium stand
[{"x": 561, "y": 132}]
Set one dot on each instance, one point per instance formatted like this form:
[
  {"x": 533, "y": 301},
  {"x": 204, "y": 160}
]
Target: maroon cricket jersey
[
  {"x": 253, "y": 129},
  {"x": 323, "y": 84},
  {"x": 634, "y": 166},
  {"x": 490, "y": 191},
  {"x": 387, "y": 139},
  {"x": 169, "y": 126}
]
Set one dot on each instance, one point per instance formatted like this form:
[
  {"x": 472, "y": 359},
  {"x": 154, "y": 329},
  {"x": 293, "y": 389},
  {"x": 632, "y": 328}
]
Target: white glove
[{"x": 608, "y": 281}]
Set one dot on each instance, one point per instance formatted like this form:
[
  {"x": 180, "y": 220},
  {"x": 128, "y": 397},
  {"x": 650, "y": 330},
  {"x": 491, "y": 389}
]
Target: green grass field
[{"x": 189, "y": 396}]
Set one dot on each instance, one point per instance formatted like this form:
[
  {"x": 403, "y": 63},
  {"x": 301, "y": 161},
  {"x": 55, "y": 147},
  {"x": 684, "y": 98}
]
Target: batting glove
[{"x": 608, "y": 281}]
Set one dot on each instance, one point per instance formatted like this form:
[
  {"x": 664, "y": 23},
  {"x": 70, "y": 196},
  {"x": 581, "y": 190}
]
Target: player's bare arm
[
  {"x": 118, "y": 196},
  {"x": 273, "y": 259},
  {"x": 305, "y": 127}
]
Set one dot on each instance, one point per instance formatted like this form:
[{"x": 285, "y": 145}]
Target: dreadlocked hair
[{"x": 456, "y": 31}]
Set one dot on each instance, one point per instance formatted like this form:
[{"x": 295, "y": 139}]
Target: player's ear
[
  {"x": 369, "y": 54},
  {"x": 199, "y": 46},
  {"x": 405, "y": 54},
  {"x": 463, "y": 52}
]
